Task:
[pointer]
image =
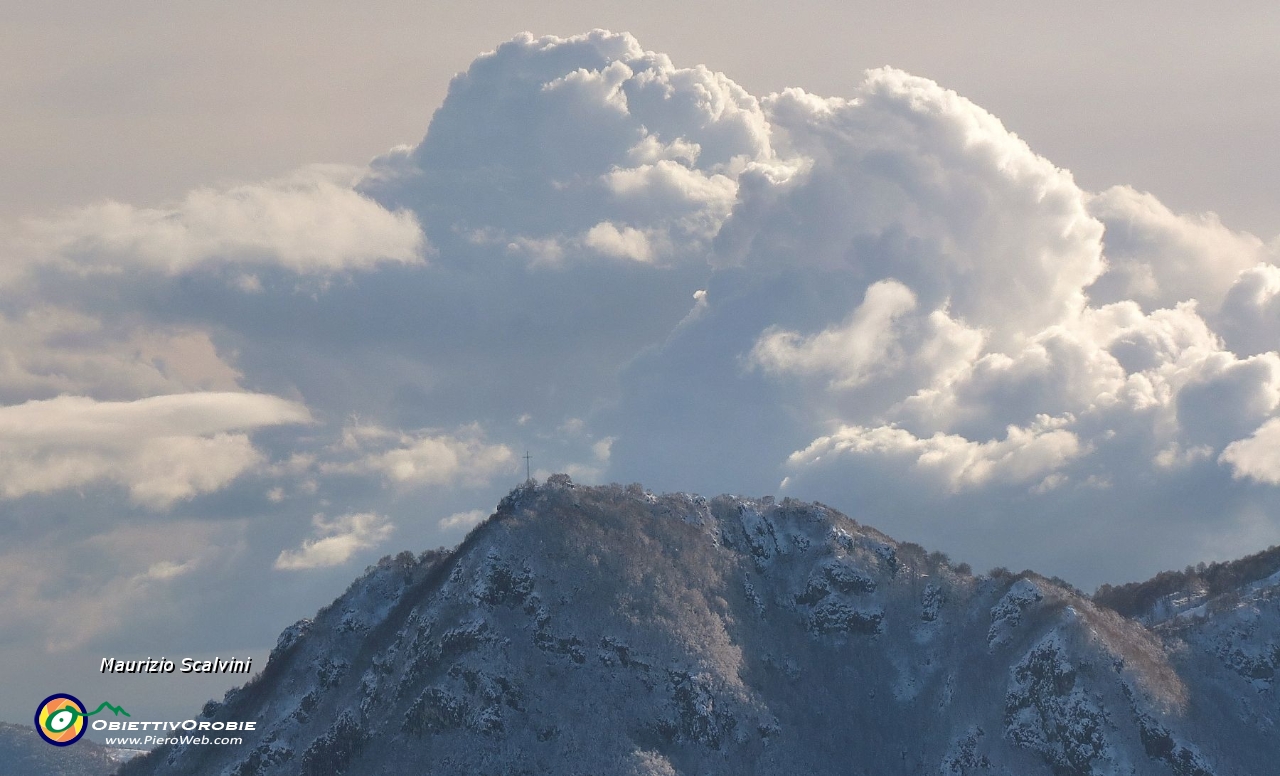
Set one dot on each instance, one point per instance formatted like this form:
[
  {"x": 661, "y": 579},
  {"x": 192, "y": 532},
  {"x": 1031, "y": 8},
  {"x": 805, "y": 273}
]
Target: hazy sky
[
  {"x": 259, "y": 327},
  {"x": 140, "y": 100}
]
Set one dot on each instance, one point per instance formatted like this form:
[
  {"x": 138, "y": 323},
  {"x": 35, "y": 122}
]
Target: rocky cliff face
[{"x": 610, "y": 631}]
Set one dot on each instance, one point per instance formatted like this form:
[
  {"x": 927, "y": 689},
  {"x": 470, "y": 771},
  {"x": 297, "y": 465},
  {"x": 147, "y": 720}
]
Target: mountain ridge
[
  {"x": 23, "y": 752},
  {"x": 1143, "y": 599},
  {"x": 609, "y": 630}
]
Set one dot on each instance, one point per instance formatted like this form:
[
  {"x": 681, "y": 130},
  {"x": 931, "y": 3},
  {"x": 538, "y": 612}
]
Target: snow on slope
[
  {"x": 23, "y": 753},
  {"x": 610, "y": 631}
]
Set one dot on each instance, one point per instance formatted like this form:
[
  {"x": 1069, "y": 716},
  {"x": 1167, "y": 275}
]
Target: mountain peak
[{"x": 611, "y": 630}]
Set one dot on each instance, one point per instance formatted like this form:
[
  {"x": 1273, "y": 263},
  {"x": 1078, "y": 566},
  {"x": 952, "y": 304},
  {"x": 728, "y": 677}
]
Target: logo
[{"x": 60, "y": 718}]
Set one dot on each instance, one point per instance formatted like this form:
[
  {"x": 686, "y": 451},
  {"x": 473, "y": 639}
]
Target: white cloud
[
  {"x": 911, "y": 181},
  {"x": 167, "y": 569},
  {"x": 591, "y": 471},
  {"x": 602, "y": 448},
  {"x": 849, "y": 353},
  {"x": 423, "y": 457},
  {"x": 646, "y": 170},
  {"x": 1160, "y": 258},
  {"x": 1223, "y": 397},
  {"x": 1176, "y": 457},
  {"x": 1025, "y": 454},
  {"x": 1258, "y": 456},
  {"x": 1250, "y": 314},
  {"x": 310, "y": 223},
  {"x": 684, "y": 201},
  {"x": 162, "y": 449},
  {"x": 540, "y": 251},
  {"x": 624, "y": 243},
  {"x": 333, "y": 542},
  {"x": 916, "y": 289},
  {"x": 468, "y": 519}
]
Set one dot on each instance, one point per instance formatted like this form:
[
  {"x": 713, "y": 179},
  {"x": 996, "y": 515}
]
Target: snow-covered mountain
[
  {"x": 22, "y": 753},
  {"x": 605, "y": 630}
]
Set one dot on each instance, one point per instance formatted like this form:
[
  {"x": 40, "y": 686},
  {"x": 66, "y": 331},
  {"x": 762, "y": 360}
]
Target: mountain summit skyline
[{"x": 606, "y": 630}]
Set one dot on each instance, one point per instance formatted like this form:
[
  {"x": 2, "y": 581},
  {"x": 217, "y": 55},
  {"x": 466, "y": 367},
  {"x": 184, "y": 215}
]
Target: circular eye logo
[{"x": 60, "y": 719}]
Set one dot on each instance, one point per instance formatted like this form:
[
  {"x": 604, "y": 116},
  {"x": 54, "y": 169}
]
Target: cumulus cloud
[
  {"x": 1250, "y": 315},
  {"x": 909, "y": 278},
  {"x": 310, "y": 223},
  {"x": 162, "y": 449},
  {"x": 1159, "y": 258},
  {"x": 1258, "y": 456},
  {"x": 1025, "y": 454},
  {"x": 910, "y": 181},
  {"x": 624, "y": 243},
  {"x": 333, "y": 542},
  {"x": 889, "y": 282},
  {"x": 589, "y": 145}
]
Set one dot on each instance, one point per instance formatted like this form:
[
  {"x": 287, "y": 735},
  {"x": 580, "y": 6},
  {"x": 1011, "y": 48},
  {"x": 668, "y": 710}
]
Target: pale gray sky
[{"x": 140, "y": 101}]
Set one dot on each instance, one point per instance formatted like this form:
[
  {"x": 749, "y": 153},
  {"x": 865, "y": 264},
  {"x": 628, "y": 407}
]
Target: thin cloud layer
[
  {"x": 464, "y": 520},
  {"x": 422, "y": 458},
  {"x": 162, "y": 449},
  {"x": 46, "y": 351},
  {"x": 67, "y": 588},
  {"x": 310, "y": 223}
]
